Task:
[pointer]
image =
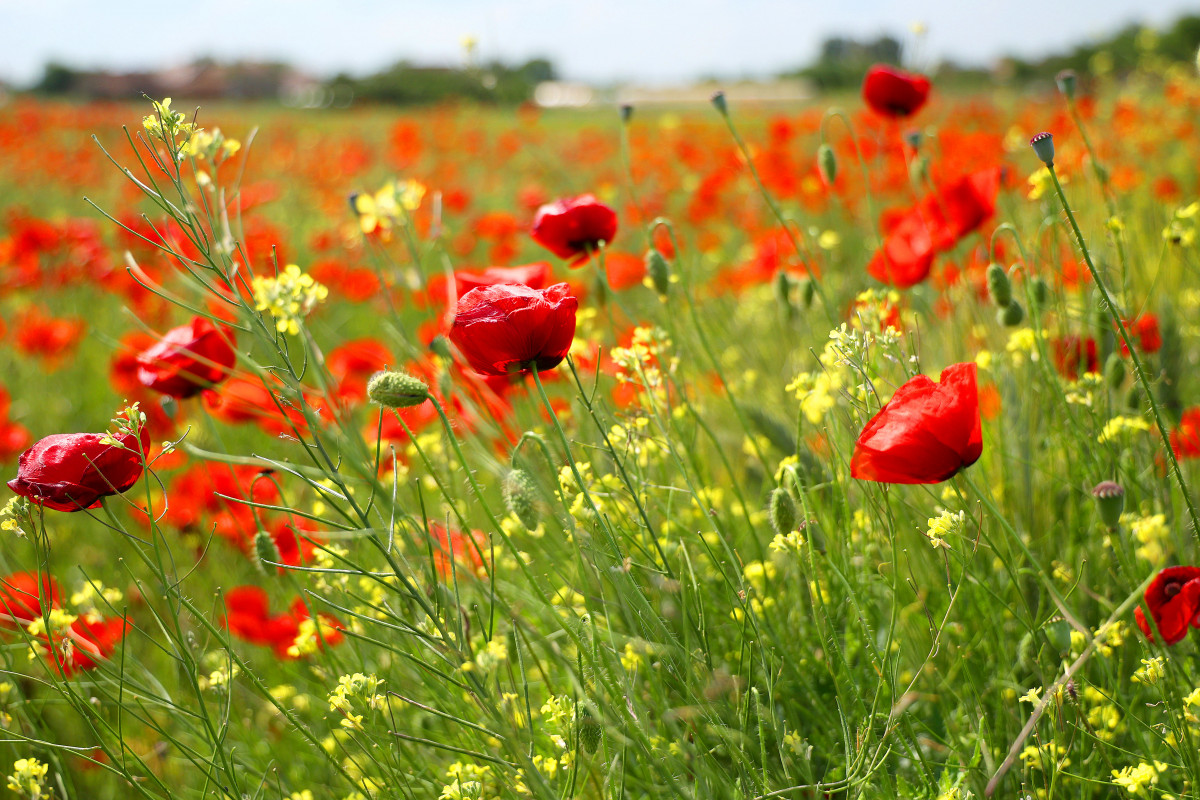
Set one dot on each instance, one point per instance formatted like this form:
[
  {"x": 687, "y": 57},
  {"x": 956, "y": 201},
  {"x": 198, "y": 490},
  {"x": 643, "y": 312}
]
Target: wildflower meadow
[{"x": 838, "y": 450}]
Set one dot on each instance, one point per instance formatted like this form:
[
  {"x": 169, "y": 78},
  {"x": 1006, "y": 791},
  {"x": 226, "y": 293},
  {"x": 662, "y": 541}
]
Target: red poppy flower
[
  {"x": 1074, "y": 353},
  {"x": 189, "y": 359},
  {"x": 1173, "y": 598},
  {"x": 21, "y": 598},
  {"x": 249, "y": 619},
  {"x": 926, "y": 433},
  {"x": 1145, "y": 332},
  {"x": 506, "y": 328},
  {"x": 574, "y": 227},
  {"x": 894, "y": 93},
  {"x": 1185, "y": 439},
  {"x": 81, "y": 646},
  {"x": 73, "y": 471},
  {"x": 906, "y": 257}
]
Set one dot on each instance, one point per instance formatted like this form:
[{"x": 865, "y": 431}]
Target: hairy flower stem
[{"x": 1138, "y": 367}]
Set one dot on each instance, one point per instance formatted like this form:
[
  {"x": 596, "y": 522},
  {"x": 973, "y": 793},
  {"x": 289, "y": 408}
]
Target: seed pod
[
  {"x": 1110, "y": 502},
  {"x": 782, "y": 286},
  {"x": 1114, "y": 371},
  {"x": 397, "y": 390},
  {"x": 626, "y": 112},
  {"x": 999, "y": 286},
  {"x": 1066, "y": 81},
  {"x": 1011, "y": 315},
  {"x": 718, "y": 101},
  {"x": 591, "y": 732},
  {"x": 782, "y": 511},
  {"x": 520, "y": 499},
  {"x": 827, "y": 164},
  {"x": 1043, "y": 147},
  {"x": 658, "y": 270}
]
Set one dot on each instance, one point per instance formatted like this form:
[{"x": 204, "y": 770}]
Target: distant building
[
  {"x": 204, "y": 79},
  {"x": 563, "y": 94}
]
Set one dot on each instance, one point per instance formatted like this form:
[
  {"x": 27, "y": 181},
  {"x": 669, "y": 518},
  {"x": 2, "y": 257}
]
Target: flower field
[{"x": 748, "y": 452}]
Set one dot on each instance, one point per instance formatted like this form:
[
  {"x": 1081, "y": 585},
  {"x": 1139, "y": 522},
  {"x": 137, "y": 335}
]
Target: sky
[{"x": 599, "y": 41}]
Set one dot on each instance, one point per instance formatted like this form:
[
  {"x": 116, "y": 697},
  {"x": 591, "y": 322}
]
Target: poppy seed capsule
[
  {"x": 519, "y": 498},
  {"x": 718, "y": 101},
  {"x": 658, "y": 271},
  {"x": 266, "y": 550},
  {"x": 1011, "y": 315},
  {"x": 782, "y": 512},
  {"x": 827, "y": 163},
  {"x": 999, "y": 286},
  {"x": 1043, "y": 147},
  {"x": 397, "y": 390},
  {"x": 1110, "y": 502},
  {"x": 1066, "y": 81}
]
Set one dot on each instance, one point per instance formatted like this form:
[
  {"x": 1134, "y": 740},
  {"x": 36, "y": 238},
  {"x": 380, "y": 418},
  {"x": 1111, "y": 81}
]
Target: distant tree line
[{"x": 409, "y": 84}]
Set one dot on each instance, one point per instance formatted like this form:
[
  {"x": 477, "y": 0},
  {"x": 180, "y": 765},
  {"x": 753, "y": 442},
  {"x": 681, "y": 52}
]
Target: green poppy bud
[
  {"x": 1041, "y": 292},
  {"x": 1011, "y": 315},
  {"x": 520, "y": 498},
  {"x": 999, "y": 286},
  {"x": 591, "y": 732},
  {"x": 265, "y": 551},
  {"x": 658, "y": 270},
  {"x": 782, "y": 512},
  {"x": 397, "y": 390},
  {"x": 1114, "y": 371},
  {"x": 827, "y": 164}
]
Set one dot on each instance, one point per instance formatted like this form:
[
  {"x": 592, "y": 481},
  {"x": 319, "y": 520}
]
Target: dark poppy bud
[
  {"x": 266, "y": 550},
  {"x": 591, "y": 732},
  {"x": 1066, "y": 81},
  {"x": 914, "y": 138},
  {"x": 658, "y": 270},
  {"x": 626, "y": 112},
  {"x": 1043, "y": 147},
  {"x": 1041, "y": 292},
  {"x": 782, "y": 511},
  {"x": 519, "y": 498},
  {"x": 1011, "y": 315},
  {"x": 718, "y": 101},
  {"x": 999, "y": 286},
  {"x": 397, "y": 390},
  {"x": 1110, "y": 502},
  {"x": 1114, "y": 371},
  {"x": 808, "y": 292},
  {"x": 827, "y": 164}
]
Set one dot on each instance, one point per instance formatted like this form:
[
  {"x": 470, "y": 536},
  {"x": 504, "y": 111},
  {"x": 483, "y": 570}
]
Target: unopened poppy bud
[
  {"x": 1043, "y": 147},
  {"x": 626, "y": 112},
  {"x": 827, "y": 164},
  {"x": 440, "y": 346},
  {"x": 519, "y": 498},
  {"x": 783, "y": 291},
  {"x": 999, "y": 286},
  {"x": 1110, "y": 502},
  {"x": 1011, "y": 315},
  {"x": 1041, "y": 292},
  {"x": 1058, "y": 633},
  {"x": 590, "y": 731},
  {"x": 658, "y": 271},
  {"x": 1114, "y": 371},
  {"x": 265, "y": 549},
  {"x": 914, "y": 139},
  {"x": 808, "y": 292},
  {"x": 782, "y": 511},
  {"x": 397, "y": 390},
  {"x": 1066, "y": 81},
  {"x": 718, "y": 101}
]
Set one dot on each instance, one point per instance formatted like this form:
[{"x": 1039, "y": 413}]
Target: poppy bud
[
  {"x": 999, "y": 286},
  {"x": 782, "y": 511},
  {"x": 783, "y": 292},
  {"x": 1114, "y": 371},
  {"x": 658, "y": 271},
  {"x": 827, "y": 164},
  {"x": 1058, "y": 632},
  {"x": 914, "y": 139},
  {"x": 808, "y": 292},
  {"x": 1066, "y": 81},
  {"x": 591, "y": 732},
  {"x": 397, "y": 390},
  {"x": 1043, "y": 147},
  {"x": 1041, "y": 292},
  {"x": 519, "y": 498},
  {"x": 1110, "y": 502},
  {"x": 718, "y": 101},
  {"x": 440, "y": 346},
  {"x": 266, "y": 550},
  {"x": 1011, "y": 315}
]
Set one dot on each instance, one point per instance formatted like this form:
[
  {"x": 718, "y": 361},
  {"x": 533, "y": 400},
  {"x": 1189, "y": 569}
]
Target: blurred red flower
[
  {"x": 1185, "y": 439},
  {"x": 73, "y": 471},
  {"x": 507, "y": 328},
  {"x": 1173, "y": 598},
  {"x": 1144, "y": 331},
  {"x": 189, "y": 359},
  {"x": 82, "y": 645},
  {"x": 894, "y": 93},
  {"x": 573, "y": 228},
  {"x": 926, "y": 433},
  {"x": 248, "y": 618}
]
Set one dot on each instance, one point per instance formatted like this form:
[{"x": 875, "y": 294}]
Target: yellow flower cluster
[
  {"x": 1136, "y": 780},
  {"x": 1120, "y": 425},
  {"x": 1181, "y": 230},
  {"x": 289, "y": 296},
  {"x": 947, "y": 524},
  {"x": 28, "y": 779}
]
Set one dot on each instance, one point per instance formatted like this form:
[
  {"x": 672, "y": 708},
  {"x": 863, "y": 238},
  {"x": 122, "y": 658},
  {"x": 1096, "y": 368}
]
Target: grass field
[{"x": 675, "y": 565}]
